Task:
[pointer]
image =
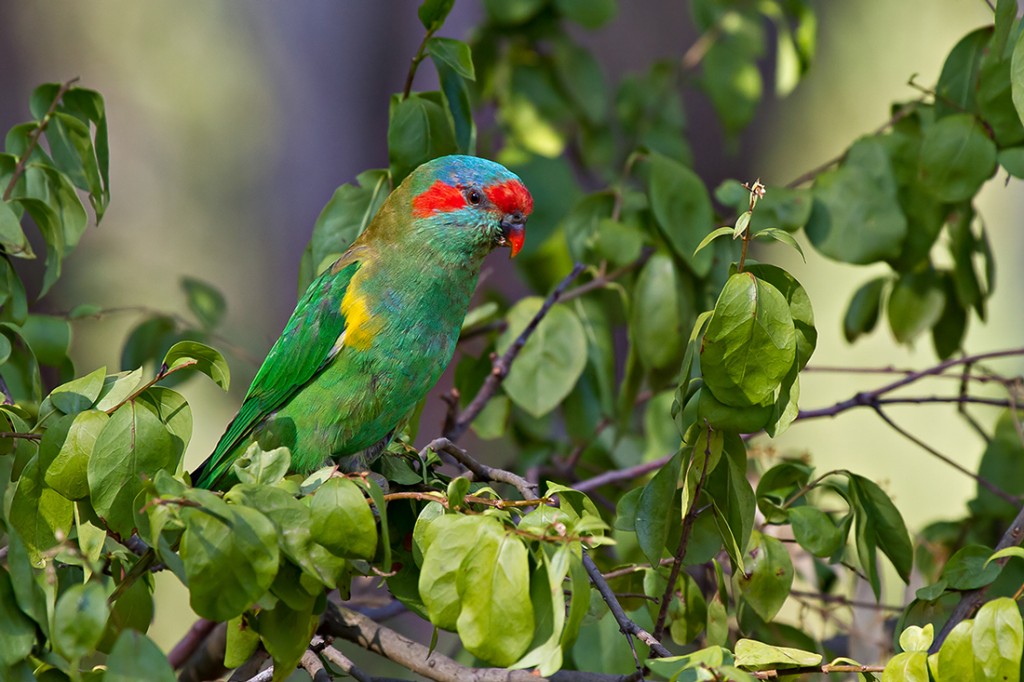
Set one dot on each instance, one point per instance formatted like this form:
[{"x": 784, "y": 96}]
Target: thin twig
[
  {"x": 33, "y": 137},
  {"x": 24, "y": 436},
  {"x": 626, "y": 474},
  {"x": 421, "y": 54},
  {"x": 987, "y": 484},
  {"x": 502, "y": 365},
  {"x": 627, "y": 626},
  {"x": 684, "y": 540},
  {"x": 826, "y": 669},
  {"x": 601, "y": 281},
  {"x": 844, "y": 601},
  {"x": 345, "y": 664}
]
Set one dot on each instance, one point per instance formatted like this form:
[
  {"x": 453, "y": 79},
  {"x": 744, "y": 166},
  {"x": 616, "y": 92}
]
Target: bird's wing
[{"x": 309, "y": 341}]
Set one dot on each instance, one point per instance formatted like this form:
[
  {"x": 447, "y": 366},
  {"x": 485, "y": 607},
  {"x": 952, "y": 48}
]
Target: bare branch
[
  {"x": 207, "y": 659},
  {"x": 345, "y": 624},
  {"x": 192, "y": 640},
  {"x": 502, "y": 365},
  {"x": 482, "y": 471},
  {"x": 626, "y": 474},
  {"x": 345, "y": 664}
]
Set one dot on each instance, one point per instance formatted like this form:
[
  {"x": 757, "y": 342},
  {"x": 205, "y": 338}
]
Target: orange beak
[{"x": 513, "y": 231}]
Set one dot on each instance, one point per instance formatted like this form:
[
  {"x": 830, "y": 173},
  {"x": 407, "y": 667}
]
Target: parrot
[{"x": 374, "y": 332}]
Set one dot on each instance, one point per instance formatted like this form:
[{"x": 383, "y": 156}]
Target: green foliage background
[{"x": 206, "y": 306}]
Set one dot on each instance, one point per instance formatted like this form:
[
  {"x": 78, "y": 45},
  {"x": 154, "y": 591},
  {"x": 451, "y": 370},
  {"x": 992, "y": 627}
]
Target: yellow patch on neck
[{"x": 360, "y": 324}]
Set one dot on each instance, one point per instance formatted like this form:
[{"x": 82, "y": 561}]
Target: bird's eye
[{"x": 474, "y": 197}]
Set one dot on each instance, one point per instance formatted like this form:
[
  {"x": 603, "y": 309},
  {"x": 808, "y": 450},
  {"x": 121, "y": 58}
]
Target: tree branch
[
  {"x": 188, "y": 644},
  {"x": 502, "y": 365},
  {"x": 627, "y": 474},
  {"x": 207, "y": 659},
  {"x": 33, "y": 137},
  {"x": 482, "y": 471},
  {"x": 354, "y": 627},
  {"x": 826, "y": 669}
]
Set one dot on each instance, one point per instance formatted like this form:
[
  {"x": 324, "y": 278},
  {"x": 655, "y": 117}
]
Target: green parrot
[{"x": 374, "y": 332}]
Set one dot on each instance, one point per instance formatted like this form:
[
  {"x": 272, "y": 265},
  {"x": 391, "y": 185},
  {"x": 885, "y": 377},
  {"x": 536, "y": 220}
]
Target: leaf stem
[
  {"x": 164, "y": 372},
  {"x": 421, "y": 54}
]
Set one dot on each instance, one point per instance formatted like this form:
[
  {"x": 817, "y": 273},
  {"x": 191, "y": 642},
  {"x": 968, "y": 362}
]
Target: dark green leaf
[
  {"x": 915, "y": 304},
  {"x": 512, "y": 11},
  {"x": 418, "y": 131},
  {"x": 588, "y": 13},
  {"x": 432, "y": 13},
  {"x": 862, "y": 313},
  {"x": 79, "y": 619},
  {"x": 552, "y": 360},
  {"x": 200, "y": 357},
  {"x": 799, "y": 306},
  {"x": 65, "y": 471},
  {"x": 456, "y": 95},
  {"x": 662, "y": 313},
  {"x": 454, "y": 53},
  {"x": 148, "y": 341},
  {"x": 957, "y": 157},
  {"x": 79, "y": 394},
  {"x": 205, "y": 302},
  {"x": 880, "y": 521},
  {"x": 37, "y": 512},
  {"x": 17, "y": 631},
  {"x": 285, "y": 633},
  {"x": 133, "y": 444},
  {"x": 1012, "y": 160},
  {"x": 750, "y": 343},
  {"x": 856, "y": 217},
  {"x": 733, "y": 83},
  {"x": 768, "y": 577},
  {"x": 230, "y": 562},
  {"x": 242, "y": 642},
  {"x": 652, "y": 520},
  {"x": 958, "y": 81},
  {"x": 135, "y": 657},
  {"x": 682, "y": 209},
  {"x": 815, "y": 531},
  {"x": 995, "y": 101},
  {"x": 580, "y": 75}
]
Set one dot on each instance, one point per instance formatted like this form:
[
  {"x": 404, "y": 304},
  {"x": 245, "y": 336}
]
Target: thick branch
[
  {"x": 351, "y": 626},
  {"x": 971, "y": 600},
  {"x": 502, "y": 365}
]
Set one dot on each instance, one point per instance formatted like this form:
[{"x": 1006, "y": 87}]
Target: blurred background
[{"x": 232, "y": 123}]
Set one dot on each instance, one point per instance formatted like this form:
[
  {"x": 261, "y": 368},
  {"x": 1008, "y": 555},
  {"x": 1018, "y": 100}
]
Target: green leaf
[
  {"x": 754, "y": 655},
  {"x": 799, "y": 307},
  {"x": 262, "y": 467},
  {"x": 342, "y": 520},
  {"x": 148, "y": 340},
  {"x": 136, "y": 657},
  {"x": 445, "y": 541},
  {"x": 548, "y": 599},
  {"x": 66, "y": 470},
  {"x": 512, "y": 12},
  {"x": 1014, "y": 551},
  {"x": 496, "y": 620},
  {"x": 173, "y": 411},
  {"x": 456, "y": 95},
  {"x": 418, "y": 132},
  {"x": 750, "y": 343},
  {"x": 454, "y": 53},
  {"x": 879, "y": 524},
  {"x": 969, "y": 568},
  {"x": 432, "y": 13},
  {"x": 915, "y": 304},
  {"x": 346, "y": 215},
  {"x": 133, "y": 444},
  {"x": 285, "y": 633},
  {"x": 1017, "y": 76},
  {"x": 1012, "y": 160},
  {"x": 205, "y": 302},
  {"x": 79, "y": 619},
  {"x": 907, "y": 667},
  {"x": 230, "y": 562},
  {"x": 17, "y": 631},
  {"x": 769, "y": 575},
  {"x": 79, "y": 394},
  {"x": 715, "y": 234},
  {"x": 37, "y": 512},
  {"x": 862, "y": 313},
  {"x": 550, "y": 363},
  {"x": 856, "y": 217},
  {"x": 12, "y": 238},
  {"x": 661, "y": 314},
  {"x": 776, "y": 234},
  {"x": 749, "y": 419},
  {"x": 956, "y": 657},
  {"x": 241, "y": 642},
  {"x": 682, "y": 209},
  {"x": 652, "y": 520},
  {"x": 957, "y": 157},
  {"x": 590, "y": 14},
  {"x": 200, "y": 357},
  {"x": 815, "y": 531},
  {"x": 955, "y": 91},
  {"x": 998, "y": 640},
  {"x": 580, "y": 75},
  {"x": 916, "y": 638},
  {"x": 733, "y": 83}
]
